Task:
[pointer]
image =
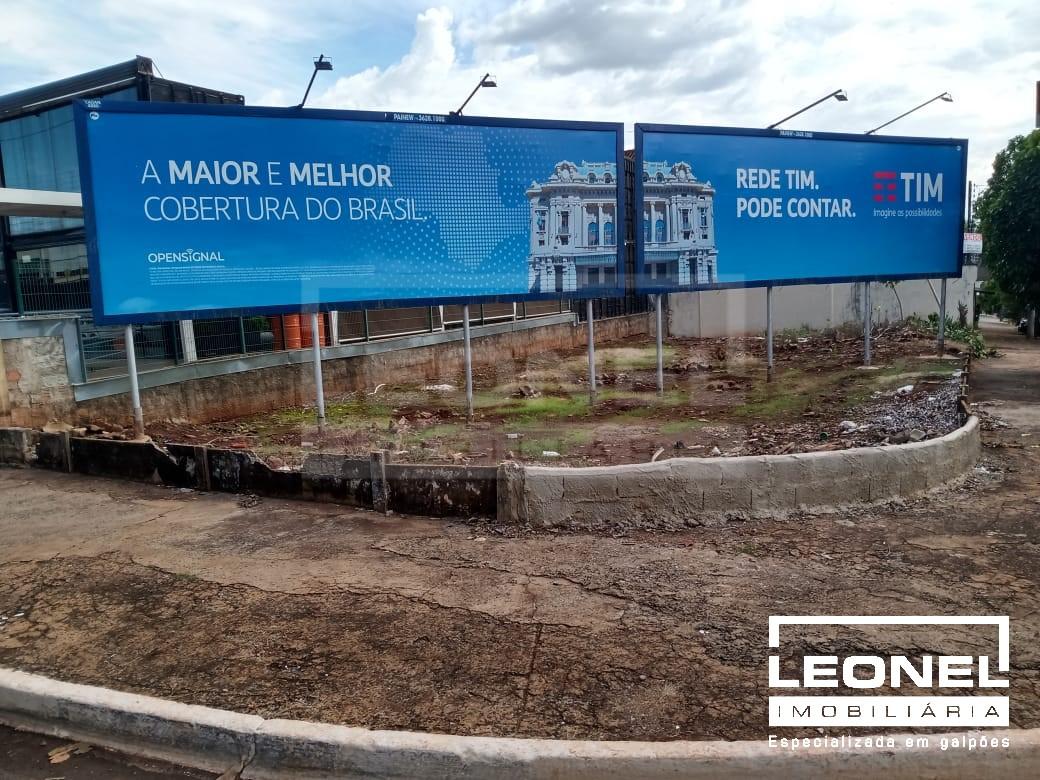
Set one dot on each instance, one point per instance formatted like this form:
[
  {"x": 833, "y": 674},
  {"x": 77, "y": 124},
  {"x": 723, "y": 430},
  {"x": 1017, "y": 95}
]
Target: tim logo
[
  {"x": 916, "y": 187},
  {"x": 936, "y": 679}
]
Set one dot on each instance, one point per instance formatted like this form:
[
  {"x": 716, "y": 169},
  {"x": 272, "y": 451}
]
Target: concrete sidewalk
[{"x": 314, "y": 612}]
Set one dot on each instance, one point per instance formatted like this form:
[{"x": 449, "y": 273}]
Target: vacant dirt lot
[
  {"x": 304, "y": 611},
  {"x": 716, "y": 396}
]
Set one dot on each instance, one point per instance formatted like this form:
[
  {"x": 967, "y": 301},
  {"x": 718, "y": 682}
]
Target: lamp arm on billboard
[
  {"x": 946, "y": 97},
  {"x": 838, "y": 94},
  {"x": 319, "y": 64},
  {"x": 841, "y": 96},
  {"x": 487, "y": 80}
]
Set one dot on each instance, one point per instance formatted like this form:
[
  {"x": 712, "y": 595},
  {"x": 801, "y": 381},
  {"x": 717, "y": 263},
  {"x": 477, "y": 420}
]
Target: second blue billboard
[
  {"x": 204, "y": 210},
  {"x": 726, "y": 207}
]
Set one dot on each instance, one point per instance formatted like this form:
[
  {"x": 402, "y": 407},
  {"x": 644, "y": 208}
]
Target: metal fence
[
  {"x": 103, "y": 348},
  {"x": 52, "y": 278},
  {"x": 161, "y": 345}
]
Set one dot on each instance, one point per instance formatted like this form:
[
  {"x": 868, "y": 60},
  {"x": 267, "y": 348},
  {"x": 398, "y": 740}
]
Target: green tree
[{"x": 1009, "y": 216}]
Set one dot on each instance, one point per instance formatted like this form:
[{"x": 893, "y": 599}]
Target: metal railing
[{"x": 161, "y": 345}]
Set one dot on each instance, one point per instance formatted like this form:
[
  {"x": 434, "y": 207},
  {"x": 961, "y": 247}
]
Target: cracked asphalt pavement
[{"x": 319, "y": 612}]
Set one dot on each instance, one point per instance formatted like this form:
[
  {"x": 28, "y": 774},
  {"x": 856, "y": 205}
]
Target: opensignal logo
[{"x": 938, "y": 680}]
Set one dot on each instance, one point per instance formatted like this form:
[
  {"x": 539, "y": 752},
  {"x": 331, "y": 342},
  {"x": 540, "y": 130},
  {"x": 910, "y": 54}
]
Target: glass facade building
[{"x": 43, "y": 265}]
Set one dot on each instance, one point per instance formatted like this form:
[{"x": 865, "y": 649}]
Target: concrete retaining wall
[
  {"x": 676, "y": 492},
  {"x": 696, "y": 491},
  {"x": 218, "y": 740},
  {"x": 440, "y": 491}
]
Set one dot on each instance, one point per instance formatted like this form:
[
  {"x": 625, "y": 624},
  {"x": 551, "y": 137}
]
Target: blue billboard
[
  {"x": 729, "y": 207},
  {"x": 199, "y": 211}
]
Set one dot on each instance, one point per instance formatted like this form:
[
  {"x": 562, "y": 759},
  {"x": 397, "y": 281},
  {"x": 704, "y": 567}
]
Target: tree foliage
[{"x": 1009, "y": 216}]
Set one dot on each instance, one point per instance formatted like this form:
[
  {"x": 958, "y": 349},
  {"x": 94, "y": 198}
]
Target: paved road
[
  {"x": 24, "y": 757},
  {"x": 317, "y": 612}
]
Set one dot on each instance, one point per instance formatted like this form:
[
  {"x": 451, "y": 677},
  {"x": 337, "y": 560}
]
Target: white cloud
[{"x": 726, "y": 62}]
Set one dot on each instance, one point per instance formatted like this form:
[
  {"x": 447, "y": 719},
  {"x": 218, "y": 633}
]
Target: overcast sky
[{"x": 722, "y": 62}]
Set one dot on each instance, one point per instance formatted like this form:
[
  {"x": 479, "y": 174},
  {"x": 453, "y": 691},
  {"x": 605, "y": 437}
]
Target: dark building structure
[{"x": 44, "y": 265}]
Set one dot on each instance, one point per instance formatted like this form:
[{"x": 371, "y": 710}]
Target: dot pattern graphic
[{"x": 461, "y": 190}]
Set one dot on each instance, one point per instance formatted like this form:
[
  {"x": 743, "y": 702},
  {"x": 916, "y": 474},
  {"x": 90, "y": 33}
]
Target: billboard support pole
[
  {"x": 769, "y": 334},
  {"x": 941, "y": 340},
  {"x": 319, "y": 385},
  {"x": 660, "y": 345},
  {"x": 135, "y": 390},
  {"x": 866, "y": 323},
  {"x": 467, "y": 350},
  {"x": 592, "y": 351}
]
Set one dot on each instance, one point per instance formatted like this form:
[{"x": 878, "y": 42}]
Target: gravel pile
[{"x": 929, "y": 408}]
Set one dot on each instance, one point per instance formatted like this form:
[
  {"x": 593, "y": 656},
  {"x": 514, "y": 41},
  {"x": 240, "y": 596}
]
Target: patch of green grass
[
  {"x": 439, "y": 431},
  {"x": 544, "y": 407},
  {"x": 562, "y": 442},
  {"x": 681, "y": 426},
  {"x": 770, "y": 404},
  {"x": 624, "y": 359},
  {"x": 789, "y": 394},
  {"x": 353, "y": 410}
]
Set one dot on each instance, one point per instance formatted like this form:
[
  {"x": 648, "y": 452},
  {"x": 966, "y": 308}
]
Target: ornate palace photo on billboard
[
  {"x": 573, "y": 228},
  {"x": 678, "y": 226}
]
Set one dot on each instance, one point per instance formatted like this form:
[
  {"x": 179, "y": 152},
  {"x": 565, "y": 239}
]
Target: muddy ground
[
  {"x": 316, "y": 612},
  {"x": 716, "y": 401}
]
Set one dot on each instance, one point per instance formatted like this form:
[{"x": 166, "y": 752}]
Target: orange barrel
[
  {"x": 291, "y": 326},
  {"x": 306, "y": 339}
]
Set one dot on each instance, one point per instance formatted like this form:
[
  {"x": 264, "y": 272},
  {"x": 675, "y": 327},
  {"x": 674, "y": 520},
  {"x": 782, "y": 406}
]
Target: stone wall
[
  {"x": 39, "y": 385},
  {"x": 35, "y": 383}
]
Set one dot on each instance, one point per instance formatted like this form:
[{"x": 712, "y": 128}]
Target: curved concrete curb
[
  {"x": 217, "y": 740},
  {"x": 694, "y": 491}
]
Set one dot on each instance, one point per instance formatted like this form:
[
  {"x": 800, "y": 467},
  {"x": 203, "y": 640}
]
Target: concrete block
[
  {"x": 337, "y": 479},
  {"x": 121, "y": 459},
  {"x": 185, "y": 467},
  {"x": 510, "y": 498},
  {"x": 53, "y": 451},
  {"x": 644, "y": 481},
  {"x": 17, "y": 446},
  {"x": 442, "y": 490},
  {"x": 706, "y": 473},
  {"x": 580, "y": 486},
  {"x": 240, "y": 471},
  {"x": 377, "y": 471},
  {"x": 732, "y": 498}
]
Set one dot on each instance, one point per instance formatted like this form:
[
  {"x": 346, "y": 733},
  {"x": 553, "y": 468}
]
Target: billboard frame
[
  {"x": 795, "y": 135},
  {"x": 83, "y": 108}
]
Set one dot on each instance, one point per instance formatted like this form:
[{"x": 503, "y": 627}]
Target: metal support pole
[
  {"x": 467, "y": 350},
  {"x": 942, "y": 319},
  {"x": 319, "y": 385},
  {"x": 769, "y": 334},
  {"x": 866, "y": 323},
  {"x": 135, "y": 390},
  {"x": 660, "y": 345},
  {"x": 592, "y": 351}
]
